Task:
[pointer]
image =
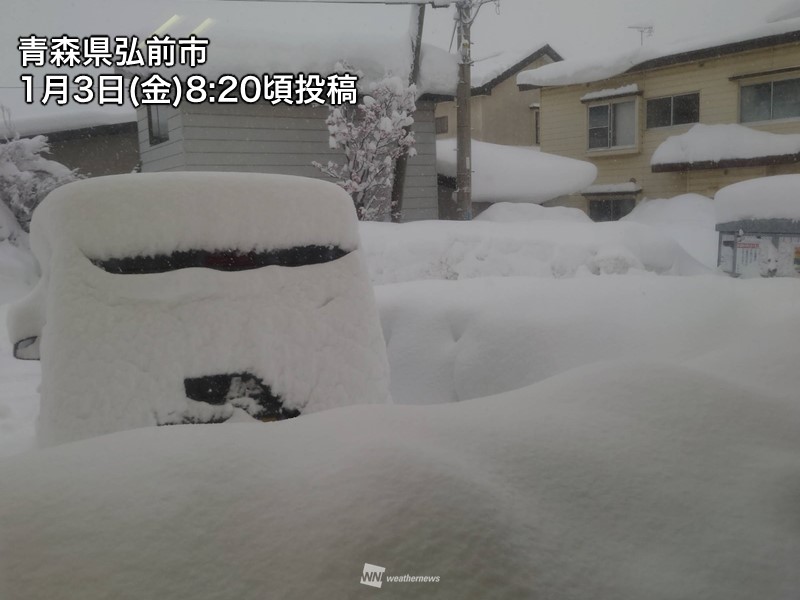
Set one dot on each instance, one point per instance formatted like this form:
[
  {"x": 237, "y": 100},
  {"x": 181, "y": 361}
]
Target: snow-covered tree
[
  {"x": 372, "y": 134},
  {"x": 26, "y": 177}
]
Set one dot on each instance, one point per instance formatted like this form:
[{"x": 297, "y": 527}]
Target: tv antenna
[{"x": 644, "y": 31}]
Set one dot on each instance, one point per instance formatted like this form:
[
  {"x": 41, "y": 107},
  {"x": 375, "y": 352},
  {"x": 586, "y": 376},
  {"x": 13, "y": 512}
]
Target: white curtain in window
[{"x": 624, "y": 123}]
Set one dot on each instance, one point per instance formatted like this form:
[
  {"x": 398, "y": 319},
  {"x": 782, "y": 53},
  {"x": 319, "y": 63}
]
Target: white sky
[{"x": 572, "y": 27}]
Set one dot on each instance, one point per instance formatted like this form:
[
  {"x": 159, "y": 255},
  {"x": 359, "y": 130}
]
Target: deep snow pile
[
  {"x": 18, "y": 271},
  {"x": 543, "y": 248},
  {"x": 457, "y": 340},
  {"x": 689, "y": 219},
  {"x": 513, "y": 212},
  {"x": 714, "y": 143},
  {"x": 776, "y": 197},
  {"x": 19, "y": 398},
  {"x": 516, "y": 173},
  {"x": 623, "y": 480},
  {"x": 116, "y": 348}
]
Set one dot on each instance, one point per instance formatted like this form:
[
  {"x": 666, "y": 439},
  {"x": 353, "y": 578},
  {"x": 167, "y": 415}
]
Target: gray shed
[{"x": 283, "y": 138}]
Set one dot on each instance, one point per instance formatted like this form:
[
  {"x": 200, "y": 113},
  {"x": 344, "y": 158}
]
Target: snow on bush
[
  {"x": 372, "y": 135},
  {"x": 26, "y": 177},
  {"x": 688, "y": 219},
  {"x": 627, "y": 480},
  {"x": 116, "y": 348},
  {"x": 459, "y": 250},
  {"x": 456, "y": 340},
  {"x": 776, "y": 197}
]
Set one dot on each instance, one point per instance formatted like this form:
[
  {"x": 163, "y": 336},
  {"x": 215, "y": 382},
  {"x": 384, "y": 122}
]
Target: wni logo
[{"x": 372, "y": 575}]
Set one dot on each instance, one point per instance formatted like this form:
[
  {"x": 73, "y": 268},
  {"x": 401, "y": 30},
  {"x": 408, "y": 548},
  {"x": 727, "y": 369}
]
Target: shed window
[
  {"x": 770, "y": 100},
  {"x": 442, "y": 124},
  {"x": 157, "y": 123},
  {"x": 611, "y": 209}
]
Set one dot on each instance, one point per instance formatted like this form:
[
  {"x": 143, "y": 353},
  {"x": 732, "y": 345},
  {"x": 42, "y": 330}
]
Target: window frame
[
  {"x": 771, "y": 81},
  {"x": 609, "y": 103},
  {"x": 671, "y": 98},
  {"x": 157, "y": 123},
  {"x": 440, "y": 130}
]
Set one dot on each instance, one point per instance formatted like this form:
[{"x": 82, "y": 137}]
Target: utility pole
[
  {"x": 463, "y": 200},
  {"x": 466, "y": 12}
]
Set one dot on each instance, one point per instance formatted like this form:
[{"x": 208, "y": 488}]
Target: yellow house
[
  {"x": 689, "y": 118},
  {"x": 501, "y": 114}
]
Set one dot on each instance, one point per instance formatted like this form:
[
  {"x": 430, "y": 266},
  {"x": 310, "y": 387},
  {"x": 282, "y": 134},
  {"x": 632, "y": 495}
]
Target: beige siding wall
[
  {"x": 564, "y": 122},
  {"x": 502, "y": 117}
]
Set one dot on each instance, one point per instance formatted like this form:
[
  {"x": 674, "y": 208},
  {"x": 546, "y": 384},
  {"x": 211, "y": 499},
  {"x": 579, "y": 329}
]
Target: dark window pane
[
  {"x": 601, "y": 210},
  {"x": 686, "y": 109},
  {"x": 755, "y": 102},
  {"x": 157, "y": 122},
  {"x": 659, "y": 112},
  {"x": 622, "y": 207},
  {"x": 442, "y": 124},
  {"x": 786, "y": 99},
  {"x": 598, "y": 116},
  {"x": 598, "y": 137},
  {"x": 624, "y": 124}
]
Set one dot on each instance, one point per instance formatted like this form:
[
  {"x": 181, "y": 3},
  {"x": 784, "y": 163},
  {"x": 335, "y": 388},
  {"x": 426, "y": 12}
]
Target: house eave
[{"x": 728, "y": 163}]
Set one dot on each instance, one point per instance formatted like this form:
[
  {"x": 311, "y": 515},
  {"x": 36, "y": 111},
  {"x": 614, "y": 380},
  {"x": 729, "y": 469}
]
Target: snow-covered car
[{"x": 197, "y": 297}]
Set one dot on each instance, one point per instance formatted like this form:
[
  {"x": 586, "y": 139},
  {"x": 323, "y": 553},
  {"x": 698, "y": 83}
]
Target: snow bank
[
  {"x": 456, "y": 340},
  {"x": 516, "y": 173},
  {"x": 509, "y": 212},
  {"x": 775, "y": 197},
  {"x": 18, "y": 270},
  {"x": 551, "y": 249},
  {"x": 714, "y": 143},
  {"x": 689, "y": 219},
  {"x": 19, "y": 400},
  {"x": 116, "y": 348},
  {"x": 622, "y": 480}
]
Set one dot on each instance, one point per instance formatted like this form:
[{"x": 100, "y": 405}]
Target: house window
[
  {"x": 612, "y": 125},
  {"x": 536, "y": 127},
  {"x": 157, "y": 125},
  {"x": 442, "y": 124},
  {"x": 612, "y": 209},
  {"x": 770, "y": 100},
  {"x": 673, "y": 110}
]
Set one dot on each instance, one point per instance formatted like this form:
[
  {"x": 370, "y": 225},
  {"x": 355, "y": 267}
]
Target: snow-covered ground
[{"x": 624, "y": 433}]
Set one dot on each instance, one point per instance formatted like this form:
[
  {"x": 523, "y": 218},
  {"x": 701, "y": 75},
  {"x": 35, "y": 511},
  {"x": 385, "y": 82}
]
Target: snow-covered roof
[
  {"x": 313, "y": 38},
  {"x": 625, "y": 90},
  {"x": 488, "y": 72},
  {"x": 516, "y": 173},
  {"x": 600, "y": 66},
  {"x": 776, "y": 197},
  {"x": 36, "y": 119},
  {"x": 709, "y": 146}
]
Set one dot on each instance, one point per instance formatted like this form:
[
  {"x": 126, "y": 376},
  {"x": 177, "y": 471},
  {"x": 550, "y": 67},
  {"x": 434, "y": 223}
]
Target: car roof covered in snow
[{"x": 160, "y": 213}]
